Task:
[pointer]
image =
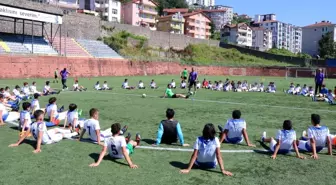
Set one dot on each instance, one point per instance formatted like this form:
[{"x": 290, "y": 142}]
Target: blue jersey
[
  {"x": 320, "y": 134},
  {"x": 235, "y": 129},
  {"x": 286, "y": 139}
]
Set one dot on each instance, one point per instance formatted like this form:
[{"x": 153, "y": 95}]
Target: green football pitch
[{"x": 68, "y": 162}]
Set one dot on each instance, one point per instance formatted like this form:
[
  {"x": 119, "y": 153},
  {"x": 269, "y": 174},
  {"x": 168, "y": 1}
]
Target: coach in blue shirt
[
  {"x": 319, "y": 78},
  {"x": 169, "y": 130}
]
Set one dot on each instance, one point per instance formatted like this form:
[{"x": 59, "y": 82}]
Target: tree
[
  {"x": 327, "y": 47},
  {"x": 170, "y": 4},
  {"x": 237, "y": 19}
]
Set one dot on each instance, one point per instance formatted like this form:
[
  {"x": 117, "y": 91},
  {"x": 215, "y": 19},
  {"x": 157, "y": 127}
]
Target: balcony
[
  {"x": 176, "y": 26},
  {"x": 147, "y": 20},
  {"x": 191, "y": 23},
  {"x": 97, "y": 5},
  {"x": 148, "y": 11}
]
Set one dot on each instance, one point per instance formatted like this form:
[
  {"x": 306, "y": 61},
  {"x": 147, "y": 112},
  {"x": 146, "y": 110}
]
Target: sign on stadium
[{"x": 30, "y": 15}]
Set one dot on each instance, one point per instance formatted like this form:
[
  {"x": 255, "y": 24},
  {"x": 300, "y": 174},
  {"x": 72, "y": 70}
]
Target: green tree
[
  {"x": 327, "y": 47},
  {"x": 238, "y": 19},
  {"x": 170, "y": 4}
]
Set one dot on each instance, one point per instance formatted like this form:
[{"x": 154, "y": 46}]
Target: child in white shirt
[{"x": 141, "y": 85}]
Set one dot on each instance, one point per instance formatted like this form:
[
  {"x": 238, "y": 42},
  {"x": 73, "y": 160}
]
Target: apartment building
[
  {"x": 197, "y": 25},
  {"x": 219, "y": 15},
  {"x": 171, "y": 23},
  {"x": 261, "y": 39},
  {"x": 140, "y": 13},
  {"x": 66, "y": 5},
  {"x": 240, "y": 34},
  {"x": 109, "y": 10},
  {"x": 284, "y": 35},
  {"x": 203, "y": 3},
  {"x": 174, "y": 11},
  {"x": 312, "y": 34}
]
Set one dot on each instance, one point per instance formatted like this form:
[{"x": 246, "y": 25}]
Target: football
[{"x": 144, "y": 95}]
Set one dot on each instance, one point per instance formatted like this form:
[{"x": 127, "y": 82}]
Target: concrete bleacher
[
  {"x": 69, "y": 47},
  {"x": 98, "y": 49},
  {"x": 11, "y": 44},
  {"x": 39, "y": 46}
]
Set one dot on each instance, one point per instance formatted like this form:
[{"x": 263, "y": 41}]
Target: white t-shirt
[
  {"x": 97, "y": 86},
  {"x": 71, "y": 116},
  {"x": 115, "y": 145},
  {"x": 3, "y": 109},
  {"x": 286, "y": 138},
  {"x": 36, "y": 127},
  {"x": 183, "y": 84},
  {"x": 46, "y": 89},
  {"x": 50, "y": 108},
  {"x": 33, "y": 89},
  {"x": 153, "y": 84},
  {"x": 25, "y": 115},
  {"x": 16, "y": 92},
  {"x": 141, "y": 85},
  {"x": 35, "y": 103},
  {"x": 304, "y": 90},
  {"x": 297, "y": 89},
  {"x": 173, "y": 84},
  {"x": 198, "y": 85},
  {"x": 206, "y": 150},
  {"x": 75, "y": 86},
  {"x": 125, "y": 85},
  {"x": 330, "y": 96},
  {"x": 91, "y": 125},
  {"x": 320, "y": 135},
  {"x": 235, "y": 128},
  {"x": 25, "y": 90},
  {"x": 6, "y": 94},
  {"x": 105, "y": 86}
]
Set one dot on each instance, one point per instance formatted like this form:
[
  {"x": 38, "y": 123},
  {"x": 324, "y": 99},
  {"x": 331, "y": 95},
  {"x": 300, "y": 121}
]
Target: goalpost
[{"x": 303, "y": 72}]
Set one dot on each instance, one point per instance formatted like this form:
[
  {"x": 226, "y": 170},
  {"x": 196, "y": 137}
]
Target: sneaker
[
  {"x": 128, "y": 137},
  {"x": 61, "y": 109},
  {"x": 263, "y": 136},
  {"x": 138, "y": 138},
  {"x": 220, "y": 128},
  {"x": 304, "y": 133},
  {"x": 187, "y": 96},
  {"x": 123, "y": 130}
]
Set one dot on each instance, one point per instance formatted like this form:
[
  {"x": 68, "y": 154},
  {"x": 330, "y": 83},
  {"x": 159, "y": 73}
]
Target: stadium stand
[
  {"x": 98, "y": 49},
  {"x": 11, "y": 44},
  {"x": 40, "y": 45},
  {"x": 72, "y": 48}
]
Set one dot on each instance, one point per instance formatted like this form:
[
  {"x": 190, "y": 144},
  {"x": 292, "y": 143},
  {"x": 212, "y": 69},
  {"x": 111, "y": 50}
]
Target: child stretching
[
  {"x": 141, "y": 85},
  {"x": 291, "y": 89},
  {"x": 284, "y": 141},
  {"x": 6, "y": 116},
  {"x": 118, "y": 146},
  {"x": 25, "y": 118},
  {"x": 97, "y": 86},
  {"x": 183, "y": 84},
  {"x": 329, "y": 97},
  {"x": 33, "y": 88},
  {"x": 297, "y": 89},
  {"x": 105, "y": 86},
  {"x": 77, "y": 87},
  {"x": 169, "y": 93},
  {"x": 92, "y": 126},
  {"x": 35, "y": 104},
  {"x": 304, "y": 90},
  {"x": 47, "y": 90},
  {"x": 271, "y": 88},
  {"x": 153, "y": 85},
  {"x": 40, "y": 133},
  {"x": 53, "y": 114},
  {"x": 235, "y": 130},
  {"x": 173, "y": 84},
  {"x": 317, "y": 138},
  {"x": 206, "y": 151},
  {"x": 126, "y": 86},
  {"x": 72, "y": 121}
]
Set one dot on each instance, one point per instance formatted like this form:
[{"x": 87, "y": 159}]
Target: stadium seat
[
  {"x": 40, "y": 45},
  {"x": 98, "y": 49},
  {"x": 72, "y": 48},
  {"x": 13, "y": 43}
]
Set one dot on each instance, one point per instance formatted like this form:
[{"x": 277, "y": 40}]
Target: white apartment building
[
  {"x": 312, "y": 34},
  {"x": 239, "y": 34},
  {"x": 284, "y": 35},
  {"x": 110, "y": 10},
  {"x": 220, "y": 15},
  {"x": 204, "y": 3},
  {"x": 261, "y": 39}
]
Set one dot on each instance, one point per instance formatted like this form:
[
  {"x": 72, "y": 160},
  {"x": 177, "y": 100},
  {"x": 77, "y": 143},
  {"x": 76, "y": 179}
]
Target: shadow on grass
[
  {"x": 29, "y": 142},
  {"x": 180, "y": 165},
  {"x": 149, "y": 141},
  {"x": 95, "y": 156}
]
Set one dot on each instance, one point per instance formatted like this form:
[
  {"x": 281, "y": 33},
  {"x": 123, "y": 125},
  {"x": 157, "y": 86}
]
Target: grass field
[{"x": 67, "y": 162}]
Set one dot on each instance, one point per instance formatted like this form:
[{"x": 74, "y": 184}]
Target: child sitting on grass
[
  {"x": 234, "y": 131},
  {"x": 141, "y": 85},
  {"x": 207, "y": 153},
  {"x": 47, "y": 90},
  {"x": 105, "y": 86},
  {"x": 54, "y": 115},
  {"x": 284, "y": 141},
  {"x": 183, "y": 84},
  {"x": 169, "y": 93},
  {"x": 126, "y": 86},
  {"x": 119, "y": 147},
  {"x": 153, "y": 85},
  {"x": 77, "y": 87},
  {"x": 72, "y": 121}
]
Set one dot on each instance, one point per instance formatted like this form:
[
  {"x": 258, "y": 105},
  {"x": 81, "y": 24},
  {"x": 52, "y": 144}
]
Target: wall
[
  {"x": 269, "y": 56},
  {"x": 32, "y": 5}
]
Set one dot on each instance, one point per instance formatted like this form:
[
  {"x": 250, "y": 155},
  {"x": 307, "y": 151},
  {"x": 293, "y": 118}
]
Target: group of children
[{"x": 325, "y": 94}]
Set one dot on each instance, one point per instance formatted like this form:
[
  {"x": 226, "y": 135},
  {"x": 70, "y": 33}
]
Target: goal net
[{"x": 303, "y": 72}]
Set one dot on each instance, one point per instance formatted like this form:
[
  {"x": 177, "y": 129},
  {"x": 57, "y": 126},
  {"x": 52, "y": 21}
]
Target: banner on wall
[{"x": 30, "y": 15}]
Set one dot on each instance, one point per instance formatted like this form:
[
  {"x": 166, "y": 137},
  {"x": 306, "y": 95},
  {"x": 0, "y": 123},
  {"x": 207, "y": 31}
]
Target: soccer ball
[
  {"x": 191, "y": 93},
  {"x": 144, "y": 95}
]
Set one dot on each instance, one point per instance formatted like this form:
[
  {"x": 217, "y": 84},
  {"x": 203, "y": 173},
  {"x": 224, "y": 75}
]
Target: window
[
  {"x": 114, "y": 19},
  {"x": 197, "y": 21},
  {"x": 322, "y": 29},
  {"x": 114, "y": 11},
  {"x": 266, "y": 24}
]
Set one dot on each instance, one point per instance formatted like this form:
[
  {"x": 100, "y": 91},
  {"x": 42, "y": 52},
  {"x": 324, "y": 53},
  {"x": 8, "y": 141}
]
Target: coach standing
[
  {"x": 64, "y": 74},
  {"x": 192, "y": 79},
  {"x": 319, "y": 78}
]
